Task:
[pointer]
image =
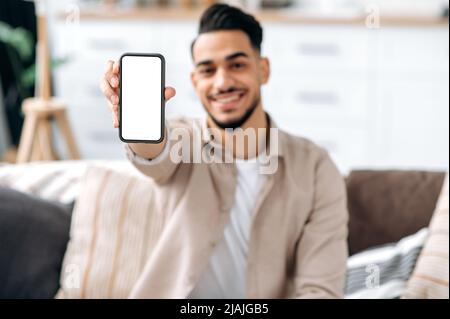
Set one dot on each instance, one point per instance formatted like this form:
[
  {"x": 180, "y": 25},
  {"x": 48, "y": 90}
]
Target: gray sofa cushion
[{"x": 33, "y": 239}]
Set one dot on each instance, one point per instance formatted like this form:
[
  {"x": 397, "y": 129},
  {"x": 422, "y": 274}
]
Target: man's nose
[{"x": 223, "y": 80}]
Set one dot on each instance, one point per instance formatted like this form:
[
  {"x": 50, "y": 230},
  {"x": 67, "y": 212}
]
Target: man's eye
[
  {"x": 207, "y": 71},
  {"x": 237, "y": 65}
]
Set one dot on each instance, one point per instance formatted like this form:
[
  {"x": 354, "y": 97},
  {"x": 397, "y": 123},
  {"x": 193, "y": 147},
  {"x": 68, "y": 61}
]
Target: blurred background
[{"x": 368, "y": 80}]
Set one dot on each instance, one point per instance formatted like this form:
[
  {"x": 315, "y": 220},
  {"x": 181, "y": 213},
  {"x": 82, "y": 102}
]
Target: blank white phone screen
[{"x": 141, "y": 98}]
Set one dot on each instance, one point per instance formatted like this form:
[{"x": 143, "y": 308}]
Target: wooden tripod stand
[{"x": 36, "y": 141}]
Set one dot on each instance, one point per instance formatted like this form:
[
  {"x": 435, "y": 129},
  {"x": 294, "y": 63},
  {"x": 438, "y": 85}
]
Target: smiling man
[
  {"x": 231, "y": 231},
  {"x": 228, "y": 78}
]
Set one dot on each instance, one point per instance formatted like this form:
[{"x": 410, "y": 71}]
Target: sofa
[{"x": 386, "y": 207}]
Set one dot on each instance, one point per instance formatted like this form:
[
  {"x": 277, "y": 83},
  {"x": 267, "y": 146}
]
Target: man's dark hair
[{"x": 224, "y": 17}]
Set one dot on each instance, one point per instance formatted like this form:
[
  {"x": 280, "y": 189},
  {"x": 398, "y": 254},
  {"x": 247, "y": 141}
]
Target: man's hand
[{"x": 109, "y": 84}]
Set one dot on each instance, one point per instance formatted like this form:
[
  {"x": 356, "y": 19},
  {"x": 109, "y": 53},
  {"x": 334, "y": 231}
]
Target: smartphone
[{"x": 141, "y": 98}]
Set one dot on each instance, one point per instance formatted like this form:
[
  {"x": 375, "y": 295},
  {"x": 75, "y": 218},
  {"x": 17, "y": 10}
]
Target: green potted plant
[{"x": 19, "y": 46}]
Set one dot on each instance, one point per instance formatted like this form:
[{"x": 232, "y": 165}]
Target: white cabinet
[
  {"x": 373, "y": 98},
  {"x": 317, "y": 48},
  {"x": 319, "y": 86},
  {"x": 412, "y": 98},
  {"x": 416, "y": 125},
  {"x": 412, "y": 51},
  {"x": 314, "y": 98}
]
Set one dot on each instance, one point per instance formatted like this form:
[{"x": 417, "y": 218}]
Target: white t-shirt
[{"x": 225, "y": 274}]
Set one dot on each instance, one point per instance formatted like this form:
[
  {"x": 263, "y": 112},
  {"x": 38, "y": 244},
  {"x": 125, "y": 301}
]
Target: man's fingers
[
  {"x": 114, "y": 81},
  {"x": 109, "y": 84},
  {"x": 115, "y": 121},
  {"x": 109, "y": 92},
  {"x": 113, "y": 107},
  {"x": 114, "y": 77},
  {"x": 116, "y": 67},
  {"x": 169, "y": 93},
  {"x": 112, "y": 73},
  {"x": 109, "y": 66}
]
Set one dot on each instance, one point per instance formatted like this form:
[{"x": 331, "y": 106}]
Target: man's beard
[{"x": 239, "y": 122}]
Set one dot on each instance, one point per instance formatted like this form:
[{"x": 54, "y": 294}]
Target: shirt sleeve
[
  {"x": 160, "y": 168},
  {"x": 322, "y": 250}
]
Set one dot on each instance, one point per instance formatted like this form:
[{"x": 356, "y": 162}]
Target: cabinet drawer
[
  {"x": 417, "y": 124},
  {"x": 413, "y": 50},
  {"x": 93, "y": 38},
  {"x": 86, "y": 114},
  {"x": 317, "y": 47},
  {"x": 347, "y": 146},
  {"x": 79, "y": 78},
  {"x": 71, "y": 92},
  {"x": 93, "y": 133},
  {"x": 324, "y": 98}
]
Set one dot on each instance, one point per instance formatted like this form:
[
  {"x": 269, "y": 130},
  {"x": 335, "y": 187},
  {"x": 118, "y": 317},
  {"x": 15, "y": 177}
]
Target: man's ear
[
  {"x": 265, "y": 69},
  {"x": 193, "y": 79}
]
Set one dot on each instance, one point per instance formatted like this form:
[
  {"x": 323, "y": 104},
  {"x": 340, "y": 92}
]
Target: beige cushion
[
  {"x": 54, "y": 180},
  {"x": 430, "y": 276},
  {"x": 114, "y": 227}
]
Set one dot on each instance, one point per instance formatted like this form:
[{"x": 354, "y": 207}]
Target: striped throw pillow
[
  {"x": 382, "y": 272},
  {"x": 114, "y": 227},
  {"x": 430, "y": 276}
]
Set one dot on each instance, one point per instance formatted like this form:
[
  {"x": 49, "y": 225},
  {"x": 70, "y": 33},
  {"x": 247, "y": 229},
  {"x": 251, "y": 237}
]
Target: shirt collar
[{"x": 274, "y": 151}]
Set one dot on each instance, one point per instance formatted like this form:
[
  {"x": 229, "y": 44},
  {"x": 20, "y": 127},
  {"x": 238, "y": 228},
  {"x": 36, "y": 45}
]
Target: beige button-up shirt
[{"x": 298, "y": 236}]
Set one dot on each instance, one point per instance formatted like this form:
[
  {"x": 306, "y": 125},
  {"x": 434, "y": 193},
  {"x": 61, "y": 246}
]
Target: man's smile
[{"x": 227, "y": 101}]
